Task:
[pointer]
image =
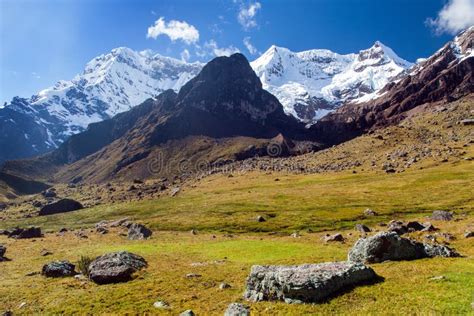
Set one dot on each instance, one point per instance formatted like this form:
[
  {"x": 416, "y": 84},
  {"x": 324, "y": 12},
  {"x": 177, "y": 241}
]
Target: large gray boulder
[
  {"x": 390, "y": 246},
  {"x": 61, "y": 206},
  {"x": 306, "y": 283},
  {"x": 237, "y": 309},
  {"x": 115, "y": 267},
  {"x": 138, "y": 232},
  {"x": 58, "y": 269}
]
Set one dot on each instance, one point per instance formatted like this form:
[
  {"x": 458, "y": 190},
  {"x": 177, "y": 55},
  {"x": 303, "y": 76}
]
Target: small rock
[
  {"x": 237, "y": 309},
  {"x": 224, "y": 286},
  {"x": 442, "y": 216},
  {"x": 415, "y": 226},
  {"x": 362, "y": 228},
  {"x": 23, "y": 304},
  {"x": 3, "y": 249},
  {"x": 50, "y": 193},
  {"x": 102, "y": 230},
  {"x": 193, "y": 232},
  {"x": 429, "y": 228},
  {"x": 193, "y": 275},
  {"x": 45, "y": 253},
  {"x": 138, "y": 232},
  {"x": 295, "y": 235},
  {"x": 369, "y": 212},
  {"x": 187, "y": 313},
  {"x": 119, "y": 222},
  {"x": 334, "y": 238},
  {"x": 175, "y": 191},
  {"x": 58, "y": 269},
  {"x": 261, "y": 219},
  {"x": 161, "y": 305},
  {"x": 398, "y": 227},
  {"x": 438, "y": 278},
  {"x": 469, "y": 234}
]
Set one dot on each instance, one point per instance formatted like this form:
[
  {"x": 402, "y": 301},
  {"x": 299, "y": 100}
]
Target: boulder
[
  {"x": 187, "y": 313},
  {"x": 390, "y": 246},
  {"x": 334, "y": 238},
  {"x": 261, "y": 219},
  {"x": 115, "y": 267},
  {"x": 58, "y": 269},
  {"x": 362, "y": 228},
  {"x": 50, "y": 193},
  {"x": 23, "y": 233},
  {"x": 415, "y": 226},
  {"x": 138, "y": 232},
  {"x": 237, "y": 309},
  {"x": 397, "y": 227},
  {"x": 306, "y": 283},
  {"x": 61, "y": 206},
  {"x": 442, "y": 216}
]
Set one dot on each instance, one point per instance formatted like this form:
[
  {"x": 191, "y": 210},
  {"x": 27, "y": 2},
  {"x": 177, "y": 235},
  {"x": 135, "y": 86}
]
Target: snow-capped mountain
[
  {"x": 110, "y": 84},
  {"x": 312, "y": 83}
]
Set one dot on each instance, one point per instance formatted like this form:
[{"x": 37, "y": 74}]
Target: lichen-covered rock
[
  {"x": 390, "y": 246},
  {"x": 138, "y": 232},
  {"x": 305, "y": 283},
  {"x": 115, "y": 267},
  {"x": 58, "y": 269},
  {"x": 237, "y": 309}
]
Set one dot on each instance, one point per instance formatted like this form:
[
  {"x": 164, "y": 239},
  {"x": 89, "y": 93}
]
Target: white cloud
[
  {"x": 185, "y": 55},
  {"x": 247, "y": 15},
  {"x": 220, "y": 51},
  {"x": 252, "y": 50},
  {"x": 36, "y": 75},
  {"x": 175, "y": 30},
  {"x": 455, "y": 16}
]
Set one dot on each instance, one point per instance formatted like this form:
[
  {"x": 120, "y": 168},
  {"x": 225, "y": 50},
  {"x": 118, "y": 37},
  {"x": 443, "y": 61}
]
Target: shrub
[{"x": 83, "y": 265}]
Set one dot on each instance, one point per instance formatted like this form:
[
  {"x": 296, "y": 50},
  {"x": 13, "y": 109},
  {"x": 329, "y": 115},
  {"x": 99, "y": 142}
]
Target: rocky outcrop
[
  {"x": 390, "y": 246},
  {"x": 138, "y": 232},
  {"x": 115, "y": 267},
  {"x": 58, "y": 269},
  {"x": 306, "y": 283},
  {"x": 23, "y": 233},
  {"x": 61, "y": 206},
  {"x": 237, "y": 309}
]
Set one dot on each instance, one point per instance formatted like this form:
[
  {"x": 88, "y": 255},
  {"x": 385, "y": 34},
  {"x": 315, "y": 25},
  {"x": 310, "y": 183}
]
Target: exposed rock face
[
  {"x": 22, "y": 233},
  {"x": 61, "y": 206},
  {"x": 138, "y": 232},
  {"x": 442, "y": 216},
  {"x": 305, "y": 283},
  {"x": 58, "y": 269},
  {"x": 115, "y": 267},
  {"x": 237, "y": 309},
  {"x": 390, "y": 246}
]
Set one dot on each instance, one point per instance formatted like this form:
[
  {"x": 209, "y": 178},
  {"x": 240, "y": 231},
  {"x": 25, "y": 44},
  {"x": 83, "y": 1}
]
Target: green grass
[{"x": 296, "y": 202}]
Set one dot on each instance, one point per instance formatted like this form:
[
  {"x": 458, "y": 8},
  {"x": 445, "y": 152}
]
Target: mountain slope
[
  {"x": 110, "y": 84},
  {"x": 312, "y": 83},
  {"x": 225, "y": 101},
  {"x": 446, "y": 76}
]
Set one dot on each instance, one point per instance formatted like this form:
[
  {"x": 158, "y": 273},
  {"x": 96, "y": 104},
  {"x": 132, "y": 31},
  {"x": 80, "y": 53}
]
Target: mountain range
[
  {"x": 309, "y": 84},
  {"x": 224, "y": 114}
]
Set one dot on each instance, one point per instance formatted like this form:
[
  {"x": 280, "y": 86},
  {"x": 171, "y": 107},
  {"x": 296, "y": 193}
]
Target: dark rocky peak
[{"x": 229, "y": 85}]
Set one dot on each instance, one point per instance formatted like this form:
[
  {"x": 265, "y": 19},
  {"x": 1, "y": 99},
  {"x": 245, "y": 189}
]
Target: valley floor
[{"x": 229, "y": 241}]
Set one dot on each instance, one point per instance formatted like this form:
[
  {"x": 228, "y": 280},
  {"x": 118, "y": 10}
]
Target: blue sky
[{"x": 42, "y": 41}]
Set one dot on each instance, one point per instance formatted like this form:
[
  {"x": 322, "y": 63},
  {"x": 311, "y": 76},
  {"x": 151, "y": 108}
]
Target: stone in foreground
[
  {"x": 115, "y": 267},
  {"x": 237, "y": 309},
  {"x": 58, "y": 269},
  {"x": 61, "y": 206},
  {"x": 138, "y": 232},
  {"x": 390, "y": 246},
  {"x": 306, "y": 283}
]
